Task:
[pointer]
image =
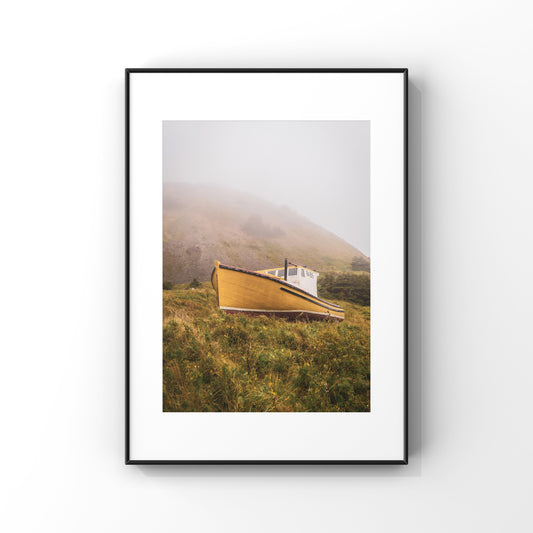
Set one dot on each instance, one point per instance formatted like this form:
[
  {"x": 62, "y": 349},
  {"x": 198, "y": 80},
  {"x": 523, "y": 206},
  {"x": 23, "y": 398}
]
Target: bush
[
  {"x": 360, "y": 264},
  {"x": 194, "y": 284},
  {"x": 350, "y": 286},
  {"x": 167, "y": 285}
]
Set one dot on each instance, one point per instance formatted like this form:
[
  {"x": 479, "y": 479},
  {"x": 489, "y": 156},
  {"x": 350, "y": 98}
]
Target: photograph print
[{"x": 266, "y": 266}]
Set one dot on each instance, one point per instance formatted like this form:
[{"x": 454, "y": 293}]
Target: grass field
[{"x": 218, "y": 362}]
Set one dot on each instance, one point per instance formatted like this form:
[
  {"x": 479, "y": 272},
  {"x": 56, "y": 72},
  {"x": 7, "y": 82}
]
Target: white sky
[{"x": 320, "y": 169}]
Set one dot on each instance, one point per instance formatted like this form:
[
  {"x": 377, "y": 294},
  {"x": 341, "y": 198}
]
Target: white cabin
[{"x": 301, "y": 277}]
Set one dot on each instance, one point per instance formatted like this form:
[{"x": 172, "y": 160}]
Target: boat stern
[{"x": 214, "y": 279}]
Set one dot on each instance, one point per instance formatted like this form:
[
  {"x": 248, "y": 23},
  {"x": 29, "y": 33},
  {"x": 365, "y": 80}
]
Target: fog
[{"x": 320, "y": 169}]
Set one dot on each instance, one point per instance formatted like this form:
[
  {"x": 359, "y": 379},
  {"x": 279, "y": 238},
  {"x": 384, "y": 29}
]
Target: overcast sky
[{"x": 320, "y": 169}]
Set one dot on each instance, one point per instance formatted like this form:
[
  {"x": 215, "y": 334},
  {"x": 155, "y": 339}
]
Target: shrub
[
  {"x": 360, "y": 264},
  {"x": 349, "y": 286},
  {"x": 194, "y": 284},
  {"x": 167, "y": 285}
]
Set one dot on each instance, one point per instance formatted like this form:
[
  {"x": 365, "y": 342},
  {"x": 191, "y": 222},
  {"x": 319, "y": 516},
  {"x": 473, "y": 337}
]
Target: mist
[{"x": 320, "y": 169}]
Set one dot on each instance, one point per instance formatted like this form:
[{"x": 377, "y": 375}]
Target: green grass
[{"x": 218, "y": 362}]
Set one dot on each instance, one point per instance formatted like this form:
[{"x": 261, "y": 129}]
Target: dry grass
[{"x": 218, "y": 362}]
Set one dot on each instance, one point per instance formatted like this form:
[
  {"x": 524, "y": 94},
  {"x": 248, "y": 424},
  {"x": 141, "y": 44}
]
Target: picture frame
[{"x": 285, "y": 403}]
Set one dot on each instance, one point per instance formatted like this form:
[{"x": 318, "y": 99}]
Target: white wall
[{"x": 61, "y": 274}]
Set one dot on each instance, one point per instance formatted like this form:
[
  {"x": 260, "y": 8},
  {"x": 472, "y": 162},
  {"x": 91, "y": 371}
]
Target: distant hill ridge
[{"x": 203, "y": 223}]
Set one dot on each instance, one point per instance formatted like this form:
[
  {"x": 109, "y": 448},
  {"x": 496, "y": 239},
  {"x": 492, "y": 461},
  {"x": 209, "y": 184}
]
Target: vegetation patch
[
  {"x": 218, "y": 362},
  {"x": 348, "y": 286}
]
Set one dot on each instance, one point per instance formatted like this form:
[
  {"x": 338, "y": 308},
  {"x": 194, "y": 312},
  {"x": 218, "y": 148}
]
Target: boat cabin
[{"x": 299, "y": 276}]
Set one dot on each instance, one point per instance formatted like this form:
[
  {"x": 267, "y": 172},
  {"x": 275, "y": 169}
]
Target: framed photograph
[{"x": 266, "y": 266}]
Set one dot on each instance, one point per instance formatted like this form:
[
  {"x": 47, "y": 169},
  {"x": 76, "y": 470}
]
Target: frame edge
[{"x": 128, "y": 72}]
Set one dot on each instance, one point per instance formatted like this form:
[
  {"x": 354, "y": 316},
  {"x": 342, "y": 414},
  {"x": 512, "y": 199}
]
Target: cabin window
[{"x": 293, "y": 271}]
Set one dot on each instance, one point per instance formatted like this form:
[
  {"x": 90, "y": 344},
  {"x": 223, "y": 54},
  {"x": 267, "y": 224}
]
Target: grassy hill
[
  {"x": 203, "y": 223},
  {"x": 218, "y": 362}
]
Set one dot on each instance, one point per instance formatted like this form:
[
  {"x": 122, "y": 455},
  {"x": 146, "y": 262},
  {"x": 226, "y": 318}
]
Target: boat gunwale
[{"x": 281, "y": 282}]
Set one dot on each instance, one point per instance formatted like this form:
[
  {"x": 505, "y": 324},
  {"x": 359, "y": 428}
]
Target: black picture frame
[{"x": 127, "y": 303}]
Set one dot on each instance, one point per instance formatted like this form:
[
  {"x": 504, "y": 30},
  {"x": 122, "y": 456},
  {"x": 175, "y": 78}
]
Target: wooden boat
[{"x": 289, "y": 292}]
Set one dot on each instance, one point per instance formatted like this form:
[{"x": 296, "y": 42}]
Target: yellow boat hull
[{"x": 247, "y": 292}]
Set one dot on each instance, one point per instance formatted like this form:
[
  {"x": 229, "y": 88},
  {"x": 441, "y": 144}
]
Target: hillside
[
  {"x": 203, "y": 223},
  {"x": 218, "y": 362}
]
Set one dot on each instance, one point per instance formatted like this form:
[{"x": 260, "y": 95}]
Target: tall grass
[{"x": 218, "y": 362}]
